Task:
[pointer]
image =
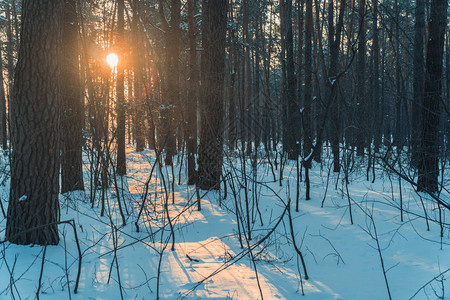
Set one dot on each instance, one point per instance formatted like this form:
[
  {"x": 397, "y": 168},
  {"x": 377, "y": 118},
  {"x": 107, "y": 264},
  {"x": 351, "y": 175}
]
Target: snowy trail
[{"x": 203, "y": 245}]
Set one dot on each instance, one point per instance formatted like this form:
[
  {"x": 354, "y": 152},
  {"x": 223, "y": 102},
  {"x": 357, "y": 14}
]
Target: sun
[{"x": 112, "y": 59}]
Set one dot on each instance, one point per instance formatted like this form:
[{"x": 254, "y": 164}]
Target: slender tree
[
  {"x": 191, "y": 107},
  {"x": 247, "y": 111},
  {"x": 138, "y": 67},
  {"x": 306, "y": 112},
  {"x": 3, "y": 120},
  {"x": 334, "y": 36},
  {"x": 120, "y": 132},
  {"x": 293, "y": 108},
  {"x": 378, "y": 121},
  {"x": 419, "y": 78},
  {"x": 361, "y": 101}
]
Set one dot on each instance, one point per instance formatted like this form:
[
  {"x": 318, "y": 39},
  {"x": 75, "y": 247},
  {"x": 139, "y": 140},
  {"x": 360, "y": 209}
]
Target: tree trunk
[
  {"x": 335, "y": 41},
  {"x": 306, "y": 114},
  {"x": 419, "y": 79},
  {"x": 3, "y": 117},
  {"x": 211, "y": 135},
  {"x": 33, "y": 204},
  {"x": 361, "y": 78},
  {"x": 10, "y": 60},
  {"x": 139, "y": 94},
  {"x": 120, "y": 132},
  {"x": 429, "y": 144},
  {"x": 173, "y": 83},
  {"x": 378, "y": 122},
  {"x": 247, "y": 79},
  {"x": 191, "y": 110},
  {"x": 72, "y": 105},
  {"x": 293, "y": 109}
]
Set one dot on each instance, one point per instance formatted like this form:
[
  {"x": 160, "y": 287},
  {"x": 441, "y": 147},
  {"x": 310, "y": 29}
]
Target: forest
[{"x": 224, "y": 149}]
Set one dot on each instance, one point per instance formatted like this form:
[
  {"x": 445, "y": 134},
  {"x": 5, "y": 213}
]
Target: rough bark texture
[
  {"x": 33, "y": 201},
  {"x": 72, "y": 106},
  {"x": 211, "y": 134},
  {"x": 429, "y": 144}
]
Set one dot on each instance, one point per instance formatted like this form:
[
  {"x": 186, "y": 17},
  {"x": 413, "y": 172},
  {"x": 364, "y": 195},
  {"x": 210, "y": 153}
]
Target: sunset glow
[{"x": 112, "y": 59}]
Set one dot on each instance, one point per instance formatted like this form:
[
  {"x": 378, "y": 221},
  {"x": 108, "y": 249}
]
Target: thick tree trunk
[
  {"x": 72, "y": 106},
  {"x": 429, "y": 144},
  {"x": 33, "y": 204},
  {"x": 211, "y": 134}
]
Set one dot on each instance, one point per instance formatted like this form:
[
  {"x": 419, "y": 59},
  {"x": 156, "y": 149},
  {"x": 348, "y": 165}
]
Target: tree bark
[
  {"x": 306, "y": 114},
  {"x": 211, "y": 132},
  {"x": 428, "y": 172},
  {"x": 419, "y": 78},
  {"x": 335, "y": 41},
  {"x": 33, "y": 202},
  {"x": 293, "y": 108},
  {"x": 361, "y": 78},
  {"x": 3, "y": 118},
  {"x": 378, "y": 122},
  {"x": 191, "y": 110},
  {"x": 72, "y": 105},
  {"x": 120, "y": 132},
  {"x": 139, "y": 94},
  {"x": 173, "y": 83}
]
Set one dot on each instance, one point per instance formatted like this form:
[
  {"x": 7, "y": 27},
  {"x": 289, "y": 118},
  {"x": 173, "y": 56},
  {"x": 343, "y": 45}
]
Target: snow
[
  {"x": 342, "y": 259},
  {"x": 23, "y": 198}
]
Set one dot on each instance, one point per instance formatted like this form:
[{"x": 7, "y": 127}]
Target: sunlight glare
[{"x": 112, "y": 59}]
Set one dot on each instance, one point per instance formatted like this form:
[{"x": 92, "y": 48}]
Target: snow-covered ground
[{"x": 343, "y": 261}]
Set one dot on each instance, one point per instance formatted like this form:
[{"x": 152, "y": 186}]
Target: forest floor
[{"x": 344, "y": 261}]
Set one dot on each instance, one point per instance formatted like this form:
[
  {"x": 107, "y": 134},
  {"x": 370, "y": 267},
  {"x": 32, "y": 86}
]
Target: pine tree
[{"x": 33, "y": 210}]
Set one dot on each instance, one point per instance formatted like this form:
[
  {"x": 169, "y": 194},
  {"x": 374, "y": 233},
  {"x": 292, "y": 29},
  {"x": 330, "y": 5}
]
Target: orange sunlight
[{"x": 112, "y": 59}]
